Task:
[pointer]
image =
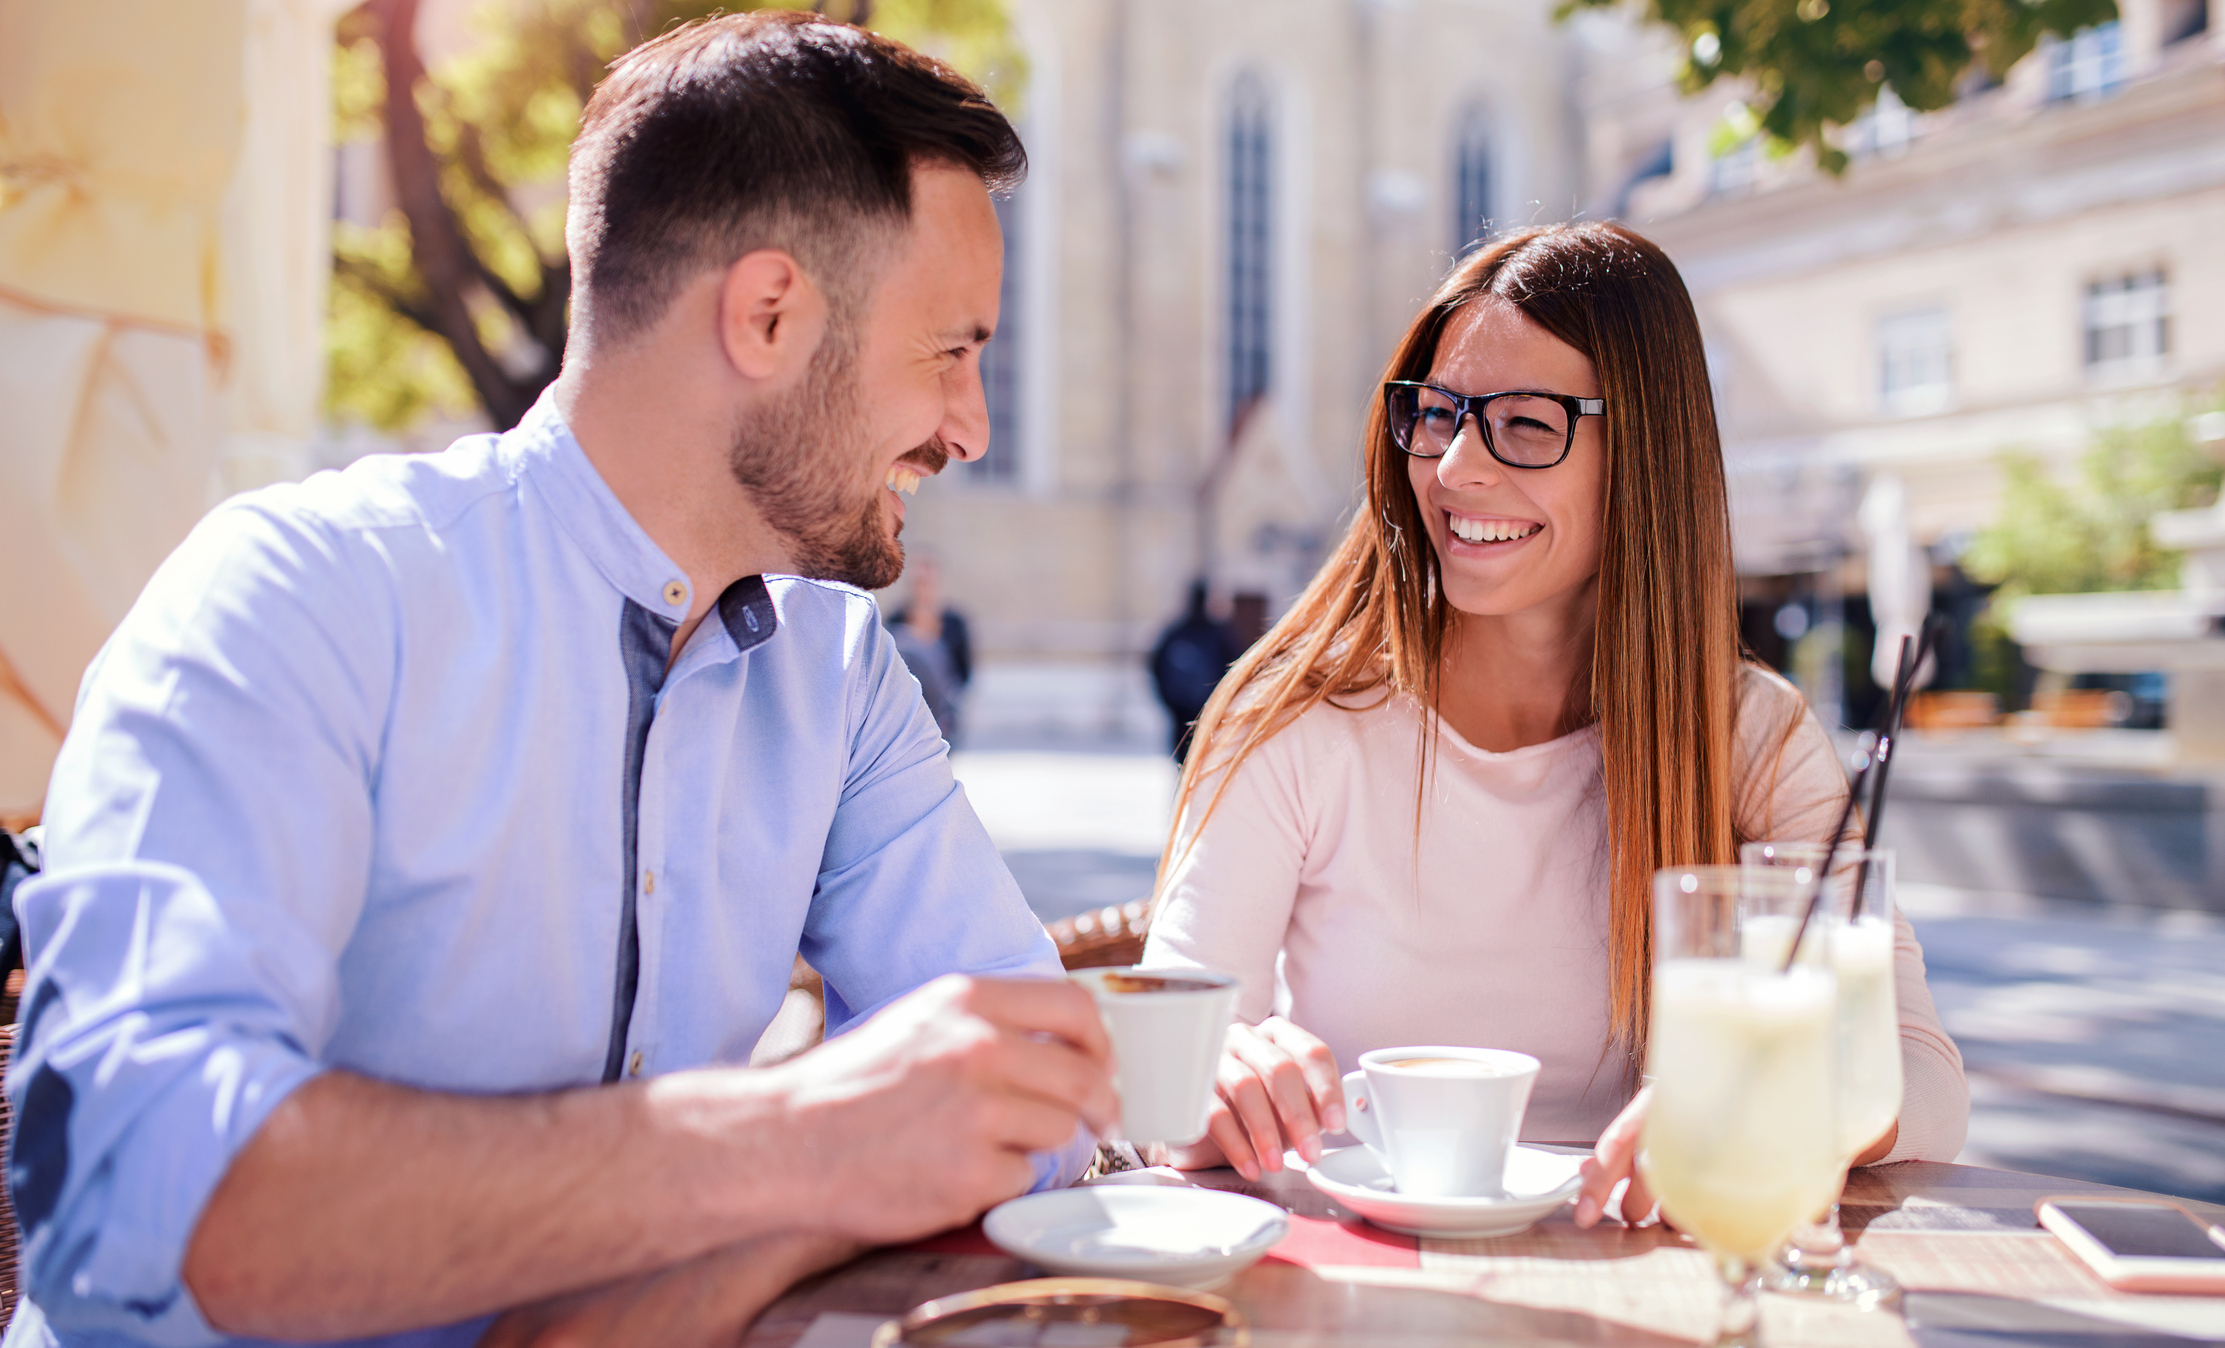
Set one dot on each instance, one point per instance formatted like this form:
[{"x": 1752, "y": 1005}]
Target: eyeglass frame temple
[{"x": 1471, "y": 405}]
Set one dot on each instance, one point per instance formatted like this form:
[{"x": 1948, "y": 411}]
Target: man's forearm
[{"x": 362, "y": 1208}]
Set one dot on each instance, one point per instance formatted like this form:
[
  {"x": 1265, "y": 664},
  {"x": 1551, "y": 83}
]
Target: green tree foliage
[
  {"x": 1814, "y": 65},
  {"x": 2091, "y": 533},
  {"x": 456, "y": 301}
]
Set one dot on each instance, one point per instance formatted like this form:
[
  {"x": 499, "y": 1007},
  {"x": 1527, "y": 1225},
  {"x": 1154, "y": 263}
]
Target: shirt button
[
  {"x": 648, "y": 882},
  {"x": 633, "y": 1064},
  {"x": 675, "y": 593}
]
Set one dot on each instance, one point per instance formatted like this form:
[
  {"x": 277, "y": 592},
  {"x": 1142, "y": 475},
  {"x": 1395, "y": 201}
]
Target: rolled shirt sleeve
[
  {"x": 160, "y": 1025},
  {"x": 345, "y": 790},
  {"x": 907, "y": 854}
]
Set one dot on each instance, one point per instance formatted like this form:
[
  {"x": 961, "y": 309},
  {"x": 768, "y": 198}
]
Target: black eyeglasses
[{"x": 1522, "y": 429}]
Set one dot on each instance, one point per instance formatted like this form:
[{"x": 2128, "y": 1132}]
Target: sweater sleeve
[
  {"x": 1791, "y": 788},
  {"x": 1230, "y": 878}
]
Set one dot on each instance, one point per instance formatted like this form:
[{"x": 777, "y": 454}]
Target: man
[
  {"x": 1187, "y": 665},
  {"x": 433, "y": 838},
  {"x": 933, "y": 639}
]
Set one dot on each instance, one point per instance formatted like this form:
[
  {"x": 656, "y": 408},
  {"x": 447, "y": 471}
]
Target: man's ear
[{"x": 771, "y": 316}]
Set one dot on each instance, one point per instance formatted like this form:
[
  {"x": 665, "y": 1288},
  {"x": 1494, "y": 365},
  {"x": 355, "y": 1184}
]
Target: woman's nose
[{"x": 1466, "y": 462}]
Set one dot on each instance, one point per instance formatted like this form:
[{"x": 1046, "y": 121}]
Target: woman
[{"x": 1428, "y": 806}]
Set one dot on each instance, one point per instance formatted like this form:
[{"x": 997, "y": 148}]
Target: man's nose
[{"x": 965, "y": 426}]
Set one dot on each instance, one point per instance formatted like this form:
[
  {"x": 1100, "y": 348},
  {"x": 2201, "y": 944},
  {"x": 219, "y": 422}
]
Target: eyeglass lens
[{"x": 1523, "y": 430}]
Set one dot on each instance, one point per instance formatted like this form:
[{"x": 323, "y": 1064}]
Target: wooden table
[{"x": 1961, "y": 1238}]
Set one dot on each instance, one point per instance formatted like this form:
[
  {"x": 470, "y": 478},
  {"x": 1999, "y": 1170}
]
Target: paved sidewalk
[
  {"x": 2094, "y": 1037},
  {"x": 1079, "y": 828}
]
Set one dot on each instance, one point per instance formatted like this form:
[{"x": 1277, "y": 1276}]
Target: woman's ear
[{"x": 771, "y": 316}]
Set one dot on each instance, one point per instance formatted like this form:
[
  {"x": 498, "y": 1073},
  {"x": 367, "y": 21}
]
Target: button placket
[{"x": 652, "y": 891}]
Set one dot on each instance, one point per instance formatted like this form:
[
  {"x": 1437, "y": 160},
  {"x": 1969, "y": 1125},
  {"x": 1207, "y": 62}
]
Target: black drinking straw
[
  {"x": 1896, "y": 706},
  {"x": 1896, "y": 711},
  {"x": 1862, "y": 764}
]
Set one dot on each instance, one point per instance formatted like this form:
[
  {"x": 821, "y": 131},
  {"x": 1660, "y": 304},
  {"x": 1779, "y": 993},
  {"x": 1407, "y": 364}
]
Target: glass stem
[
  {"x": 1820, "y": 1246},
  {"x": 1741, "y": 1323}
]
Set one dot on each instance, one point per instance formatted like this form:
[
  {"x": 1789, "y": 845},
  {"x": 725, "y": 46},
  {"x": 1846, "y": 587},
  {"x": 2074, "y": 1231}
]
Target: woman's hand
[
  {"x": 1278, "y": 1089},
  {"x": 1614, "y": 1160}
]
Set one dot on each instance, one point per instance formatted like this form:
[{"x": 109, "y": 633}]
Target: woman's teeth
[
  {"x": 1491, "y": 531},
  {"x": 903, "y": 479}
]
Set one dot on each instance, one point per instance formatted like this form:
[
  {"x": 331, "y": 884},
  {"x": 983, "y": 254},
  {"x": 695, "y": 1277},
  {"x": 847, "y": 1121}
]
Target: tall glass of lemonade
[
  {"x": 1741, "y": 1142},
  {"x": 1856, "y": 909}
]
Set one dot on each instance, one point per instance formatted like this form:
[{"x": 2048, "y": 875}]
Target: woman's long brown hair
[{"x": 1374, "y": 622}]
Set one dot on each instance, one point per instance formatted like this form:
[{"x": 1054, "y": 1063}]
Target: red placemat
[{"x": 1317, "y": 1242}]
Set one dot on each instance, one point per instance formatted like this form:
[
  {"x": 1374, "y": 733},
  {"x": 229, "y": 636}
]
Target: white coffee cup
[
  {"x": 1167, "y": 1026},
  {"x": 1441, "y": 1119}
]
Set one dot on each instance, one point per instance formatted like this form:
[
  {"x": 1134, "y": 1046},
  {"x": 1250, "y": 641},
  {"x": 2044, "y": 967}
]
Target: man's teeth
[
  {"x": 1492, "y": 531},
  {"x": 903, "y": 479}
]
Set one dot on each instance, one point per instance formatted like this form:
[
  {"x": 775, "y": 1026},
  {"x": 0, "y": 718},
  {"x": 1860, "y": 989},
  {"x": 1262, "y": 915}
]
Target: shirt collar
[{"x": 545, "y": 456}]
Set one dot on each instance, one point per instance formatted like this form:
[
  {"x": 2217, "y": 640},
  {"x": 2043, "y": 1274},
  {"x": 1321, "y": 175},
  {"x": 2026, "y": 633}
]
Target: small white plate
[
  {"x": 1537, "y": 1182},
  {"x": 1183, "y": 1237}
]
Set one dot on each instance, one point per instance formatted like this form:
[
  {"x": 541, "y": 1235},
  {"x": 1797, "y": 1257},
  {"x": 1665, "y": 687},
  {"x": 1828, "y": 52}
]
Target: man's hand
[
  {"x": 706, "y": 1302},
  {"x": 925, "y": 1115},
  {"x": 434, "y": 1208},
  {"x": 1614, "y": 1159},
  {"x": 1277, "y": 1089}
]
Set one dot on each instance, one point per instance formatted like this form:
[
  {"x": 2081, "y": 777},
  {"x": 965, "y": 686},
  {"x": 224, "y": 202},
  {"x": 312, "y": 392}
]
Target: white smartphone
[{"x": 2139, "y": 1245}]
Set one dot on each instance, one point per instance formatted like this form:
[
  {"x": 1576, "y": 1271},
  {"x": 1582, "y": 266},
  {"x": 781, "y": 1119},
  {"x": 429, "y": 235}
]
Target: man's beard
[{"x": 796, "y": 456}]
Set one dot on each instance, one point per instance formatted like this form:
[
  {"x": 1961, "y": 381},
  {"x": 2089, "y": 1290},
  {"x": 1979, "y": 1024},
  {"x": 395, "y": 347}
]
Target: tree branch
[{"x": 437, "y": 246}]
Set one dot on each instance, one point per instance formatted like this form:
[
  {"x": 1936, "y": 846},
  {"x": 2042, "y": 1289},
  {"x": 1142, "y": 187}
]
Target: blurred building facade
[
  {"x": 2042, "y": 259},
  {"x": 1233, "y": 212},
  {"x": 1235, "y": 209}
]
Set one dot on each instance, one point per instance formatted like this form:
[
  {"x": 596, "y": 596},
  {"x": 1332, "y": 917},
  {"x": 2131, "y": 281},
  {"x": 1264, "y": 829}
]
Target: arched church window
[
  {"x": 1251, "y": 146},
  {"x": 1471, "y": 179},
  {"x": 1000, "y": 359}
]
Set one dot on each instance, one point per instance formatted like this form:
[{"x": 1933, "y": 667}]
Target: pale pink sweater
[{"x": 1489, "y": 928}]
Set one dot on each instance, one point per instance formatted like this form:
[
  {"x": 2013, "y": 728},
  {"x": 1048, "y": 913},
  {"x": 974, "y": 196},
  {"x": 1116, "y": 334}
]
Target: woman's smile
[{"x": 1486, "y": 535}]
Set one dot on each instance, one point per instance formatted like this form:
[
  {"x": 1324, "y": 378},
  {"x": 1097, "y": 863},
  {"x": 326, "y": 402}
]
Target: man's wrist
[{"x": 741, "y": 1157}]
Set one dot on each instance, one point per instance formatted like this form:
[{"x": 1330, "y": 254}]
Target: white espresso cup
[
  {"x": 1441, "y": 1119},
  {"x": 1167, "y": 1027}
]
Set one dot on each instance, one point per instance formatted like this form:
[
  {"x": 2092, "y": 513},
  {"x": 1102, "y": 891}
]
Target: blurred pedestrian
[
  {"x": 932, "y": 638},
  {"x": 1187, "y": 665}
]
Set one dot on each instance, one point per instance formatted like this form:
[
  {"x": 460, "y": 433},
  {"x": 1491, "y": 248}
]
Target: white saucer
[
  {"x": 1537, "y": 1182},
  {"x": 1182, "y": 1236}
]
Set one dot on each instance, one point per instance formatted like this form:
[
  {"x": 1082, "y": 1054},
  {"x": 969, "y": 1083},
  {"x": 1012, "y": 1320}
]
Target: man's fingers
[
  {"x": 1287, "y": 1094},
  {"x": 1049, "y": 1006},
  {"x": 1026, "y": 1123},
  {"x": 1317, "y": 1064},
  {"x": 1055, "y": 1072}
]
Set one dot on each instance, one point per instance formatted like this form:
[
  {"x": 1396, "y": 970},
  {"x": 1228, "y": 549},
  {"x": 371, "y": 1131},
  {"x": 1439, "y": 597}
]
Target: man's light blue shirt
[{"x": 385, "y": 772}]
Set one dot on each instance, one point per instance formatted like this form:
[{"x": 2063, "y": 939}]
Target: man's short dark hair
[{"x": 771, "y": 129}]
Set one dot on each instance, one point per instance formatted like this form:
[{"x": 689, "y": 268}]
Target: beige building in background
[
  {"x": 2044, "y": 258},
  {"x": 1236, "y": 208},
  {"x": 1233, "y": 212}
]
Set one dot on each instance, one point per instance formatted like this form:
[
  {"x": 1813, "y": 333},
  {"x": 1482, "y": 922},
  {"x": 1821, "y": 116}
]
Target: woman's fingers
[
  {"x": 1287, "y": 1100},
  {"x": 1612, "y": 1161},
  {"x": 1247, "y": 1095},
  {"x": 1224, "y": 1132},
  {"x": 1318, "y": 1066}
]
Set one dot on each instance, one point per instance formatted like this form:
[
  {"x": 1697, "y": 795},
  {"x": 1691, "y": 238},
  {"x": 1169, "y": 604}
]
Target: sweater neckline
[{"x": 1542, "y": 749}]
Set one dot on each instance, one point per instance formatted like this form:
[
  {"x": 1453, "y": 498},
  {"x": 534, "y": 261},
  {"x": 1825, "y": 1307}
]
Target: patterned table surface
[{"x": 1962, "y": 1239}]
